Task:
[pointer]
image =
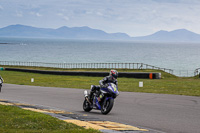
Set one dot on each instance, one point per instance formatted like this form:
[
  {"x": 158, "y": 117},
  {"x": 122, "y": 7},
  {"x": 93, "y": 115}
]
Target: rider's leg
[
  {"x": 92, "y": 90},
  {"x": 98, "y": 90}
]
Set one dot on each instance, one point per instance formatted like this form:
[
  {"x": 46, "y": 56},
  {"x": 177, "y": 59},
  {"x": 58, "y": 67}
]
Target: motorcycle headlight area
[{"x": 113, "y": 89}]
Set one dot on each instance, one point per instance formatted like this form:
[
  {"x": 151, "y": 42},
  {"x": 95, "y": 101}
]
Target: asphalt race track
[{"x": 165, "y": 113}]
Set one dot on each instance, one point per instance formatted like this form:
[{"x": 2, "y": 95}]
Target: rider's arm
[
  {"x": 116, "y": 83},
  {"x": 103, "y": 81}
]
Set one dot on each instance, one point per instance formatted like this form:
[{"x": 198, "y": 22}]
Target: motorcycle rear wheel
[
  {"x": 86, "y": 106},
  {"x": 106, "y": 108}
]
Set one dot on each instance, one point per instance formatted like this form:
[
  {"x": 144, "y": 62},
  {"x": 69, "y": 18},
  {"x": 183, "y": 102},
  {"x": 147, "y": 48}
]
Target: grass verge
[
  {"x": 169, "y": 84},
  {"x": 15, "y": 119}
]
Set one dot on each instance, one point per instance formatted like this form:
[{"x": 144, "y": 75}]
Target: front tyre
[
  {"x": 106, "y": 108},
  {"x": 86, "y": 106}
]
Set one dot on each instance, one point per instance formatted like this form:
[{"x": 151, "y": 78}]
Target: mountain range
[{"x": 180, "y": 35}]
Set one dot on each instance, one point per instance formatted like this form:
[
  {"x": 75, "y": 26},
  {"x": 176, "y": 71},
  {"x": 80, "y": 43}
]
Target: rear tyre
[
  {"x": 86, "y": 106},
  {"x": 106, "y": 108}
]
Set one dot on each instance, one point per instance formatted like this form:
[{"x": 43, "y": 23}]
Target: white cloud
[
  {"x": 1, "y": 8},
  {"x": 99, "y": 14},
  {"x": 35, "y": 14},
  {"x": 19, "y": 13},
  {"x": 66, "y": 18},
  {"x": 38, "y": 14},
  {"x": 60, "y": 14},
  {"x": 63, "y": 16}
]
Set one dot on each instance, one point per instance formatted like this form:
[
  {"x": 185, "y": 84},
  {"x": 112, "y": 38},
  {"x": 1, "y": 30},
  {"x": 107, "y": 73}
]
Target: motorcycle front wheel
[
  {"x": 106, "y": 108},
  {"x": 86, "y": 106}
]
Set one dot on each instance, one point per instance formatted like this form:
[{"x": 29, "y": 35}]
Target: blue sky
[{"x": 134, "y": 17}]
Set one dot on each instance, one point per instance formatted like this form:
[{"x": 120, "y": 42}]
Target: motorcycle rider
[
  {"x": 112, "y": 78},
  {"x": 1, "y": 82}
]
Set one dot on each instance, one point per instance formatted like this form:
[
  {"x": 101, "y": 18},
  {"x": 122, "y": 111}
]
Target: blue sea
[{"x": 177, "y": 56}]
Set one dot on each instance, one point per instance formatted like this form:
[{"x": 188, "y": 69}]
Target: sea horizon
[{"x": 175, "y": 56}]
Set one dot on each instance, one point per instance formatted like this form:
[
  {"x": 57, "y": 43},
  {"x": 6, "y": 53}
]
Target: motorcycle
[
  {"x": 1, "y": 82},
  {"x": 103, "y": 100}
]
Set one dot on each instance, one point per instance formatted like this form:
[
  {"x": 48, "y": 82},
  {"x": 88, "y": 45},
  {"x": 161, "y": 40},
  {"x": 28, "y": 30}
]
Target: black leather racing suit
[{"x": 108, "y": 79}]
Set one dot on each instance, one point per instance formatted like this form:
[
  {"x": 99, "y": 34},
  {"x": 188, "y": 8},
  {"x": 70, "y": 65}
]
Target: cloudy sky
[{"x": 134, "y": 17}]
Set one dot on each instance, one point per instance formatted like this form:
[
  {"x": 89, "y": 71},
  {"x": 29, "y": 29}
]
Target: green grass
[
  {"x": 169, "y": 84},
  {"x": 178, "y": 86},
  {"x": 15, "y": 119}
]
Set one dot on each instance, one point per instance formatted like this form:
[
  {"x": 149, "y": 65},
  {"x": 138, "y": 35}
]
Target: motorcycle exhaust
[
  {"x": 85, "y": 93},
  {"x": 86, "y": 96}
]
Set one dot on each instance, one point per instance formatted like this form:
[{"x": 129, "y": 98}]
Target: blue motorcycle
[{"x": 103, "y": 100}]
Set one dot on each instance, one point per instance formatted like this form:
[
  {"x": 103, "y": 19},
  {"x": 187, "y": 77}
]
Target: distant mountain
[
  {"x": 62, "y": 32},
  {"x": 180, "y": 35}
]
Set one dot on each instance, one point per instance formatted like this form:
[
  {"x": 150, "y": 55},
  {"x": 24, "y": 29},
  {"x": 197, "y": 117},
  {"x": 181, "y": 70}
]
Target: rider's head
[{"x": 114, "y": 74}]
